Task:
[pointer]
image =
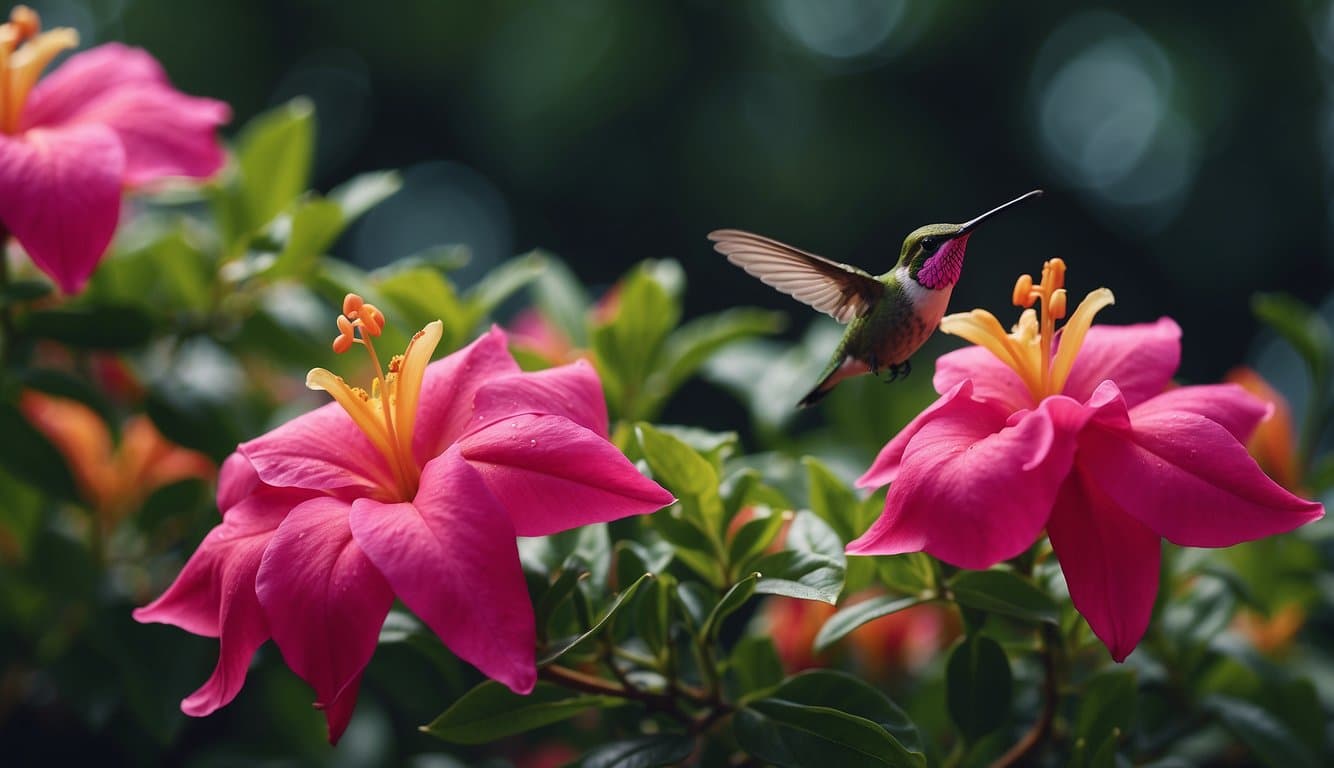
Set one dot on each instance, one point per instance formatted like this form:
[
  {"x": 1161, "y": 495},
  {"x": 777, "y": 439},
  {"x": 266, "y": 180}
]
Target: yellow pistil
[
  {"x": 388, "y": 413},
  {"x": 1028, "y": 348},
  {"x": 24, "y": 52}
]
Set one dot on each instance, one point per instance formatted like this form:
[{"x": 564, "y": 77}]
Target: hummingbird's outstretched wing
[{"x": 841, "y": 291}]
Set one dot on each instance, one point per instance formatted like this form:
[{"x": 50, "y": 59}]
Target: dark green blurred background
[{"x": 1186, "y": 148}]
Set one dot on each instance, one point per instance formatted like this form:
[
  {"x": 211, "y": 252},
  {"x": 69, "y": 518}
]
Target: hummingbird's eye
[{"x": 930, "y": 244}]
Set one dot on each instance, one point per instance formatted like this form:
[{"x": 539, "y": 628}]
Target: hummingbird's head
[{"x": 934, "y": 253}]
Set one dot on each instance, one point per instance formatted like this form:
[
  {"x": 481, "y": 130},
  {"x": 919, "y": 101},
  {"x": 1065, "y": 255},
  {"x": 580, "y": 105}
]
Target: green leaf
[
  {"x": 822, "y": 718},
  {"x": 316, "y": 223},
  {"x": 29, "y": 457},
  {"x": 691, "y": 345},
  {"x": 1300, "y": 325},
  {"x": 562, "y": 299},
  {"x": 590, "y": 543},
  {"x": 567, "y": 580},
  {"x": 675, "y": 464},
  {"x": 365, "y": 191},
  {"x": 1267, "y": 737},
  {"x": 755, "y": 664},
  {"x": 274, "y": 153},
  {"x": 643, "y": 752},
  {"x": 833, "y": 500},
  {"x": 736, "y": 597},
  {"x": 912, "y": 573},
  {"x": 23, "y": 291},
  {"x": 697, "y": 600},
  {"x": 654, "y": 612},
  {"x": 100, "y": 327},
  {"x": 841, "y": 624},
  {"x": 491, "y": 711},
  {"x": 811, "y": 568},
  {"x": 1004, "y": 592},
  {"x": 1107, "y": 706},
  {"x": 755, "y": 535},
  {"x": 501, "y": 283},
  {"x": 628, "y": 347},
  {"x": 564, "y": 646},
  {"x": 978, "y": 686},
  {"x": 693, "y": 547}
]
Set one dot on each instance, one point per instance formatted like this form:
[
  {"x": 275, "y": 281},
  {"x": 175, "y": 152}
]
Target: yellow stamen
[
  {"x": 388, "y": 414},
  {"x": 24, "y": 52},
  {"x": 1028, "y": 348}
]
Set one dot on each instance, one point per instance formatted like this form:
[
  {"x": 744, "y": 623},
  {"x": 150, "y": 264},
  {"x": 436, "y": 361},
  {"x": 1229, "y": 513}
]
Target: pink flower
[
  {"x": 1078, "y": 434},
  {"x": 104, "y": 120},
  {"x": 415, "y": 490}
]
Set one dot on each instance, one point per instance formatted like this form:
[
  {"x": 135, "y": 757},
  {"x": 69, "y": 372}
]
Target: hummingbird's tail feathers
[{"x": 838, "y": 370}]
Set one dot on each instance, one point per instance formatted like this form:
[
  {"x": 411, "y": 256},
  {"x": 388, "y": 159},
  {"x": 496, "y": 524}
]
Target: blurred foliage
[{"x": 619, "y": 134}]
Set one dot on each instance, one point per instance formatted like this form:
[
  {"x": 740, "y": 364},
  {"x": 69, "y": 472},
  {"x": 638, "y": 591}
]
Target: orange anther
[
  {"x": 1053, "y": 274},
  {"x": 26, "y": 22},
  {"x": 342, "y": 344},
  {"x": 1023, "y": 291},
  {"x": 1056, "y": 304},
  {"x": 395, "y": 363},
  {"x": 351, "y": 303},
  {"x": 372, "y": 319}
]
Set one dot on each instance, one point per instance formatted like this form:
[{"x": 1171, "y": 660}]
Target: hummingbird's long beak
[{"x": 968, "y": 226}]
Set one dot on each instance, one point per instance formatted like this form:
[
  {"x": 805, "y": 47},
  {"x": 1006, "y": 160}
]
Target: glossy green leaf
[
  {"x": 567, "y": 580},
  {"x": 491, "y": 711},
  {"x": 562, "y": 298},
  {"x": 99, "y": 327},
  {"x": 833, "y": 500},
  {"x": 823, "y": 718},
  {"x": 502, "y": 282},
  {"x": 365, "y": 191},
  {"x": 315, "y": 224},
  {"x": 275, "y": 151},
  {"x": 1300, "y": 325},
  {"x": 755, "y": 664},
  {"x": 1268, "y": 738},
  {"x": 735, "y": 597},
  {"x": 675, "y": 464},
  {"x": 755, "y": 535},
  {"x": 644, "y": 752},
  {"x": 1106, "y": 706},
  {"x": 1004, "y": 592},
  {"x": 978, "y": 686},
  {"x": 911, "y": 573},
  {"x": 562, "y": 647},
  {"x": 548, "y": 554},
  {"x": 691, "y": 345},
  {"x": 812, "y": 567},
  {"x": 841, "y": 624},
  {"x": 697, "y": 600}
]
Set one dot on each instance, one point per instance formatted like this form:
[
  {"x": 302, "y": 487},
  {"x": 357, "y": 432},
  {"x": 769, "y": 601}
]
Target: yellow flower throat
[
  {"x": 25, "y": 50},
  {"x": 1027, "y": 349},
  {"x": 388, "y": 413}
]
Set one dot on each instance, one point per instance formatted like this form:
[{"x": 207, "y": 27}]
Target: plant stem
[
  {"x": 580, "y": 681},
  {"x": 1024, "y": 750}
]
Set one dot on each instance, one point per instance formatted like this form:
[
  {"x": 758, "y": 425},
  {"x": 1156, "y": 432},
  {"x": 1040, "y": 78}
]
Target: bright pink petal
[
  {"x": 1141, "y": 359},
  {"x": 324, "y": 599},
  {"x": 450, "y": 555},
  {"x": 236, "y": 480},
  {"x": 886, "y": 465},
  {"x": 322, "y": 450},
  {"x": 1110, "y": 561},
  {"x": 1235, "y": 409},
  {"x": 60, "y": 197},
  {"x": 339, "y": 713},
  {"x": 163, "y": 131},
  {"x": 446, "y": 408},
  {"x": 992, "y": 379},
  {"x": 573, "y": 391},
  {"x": 552, "y": 474},
  {"x": 214, "y": 595},
  {"x": 972, "y": 490},
  {"x": 1187, "y": 478}
]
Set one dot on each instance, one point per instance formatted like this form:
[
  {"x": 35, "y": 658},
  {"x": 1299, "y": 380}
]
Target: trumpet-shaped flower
[
  {"x": 1079, "y": 434},
  {"x": 104, "y": 120},
  {"x": 415, "y": 489}
]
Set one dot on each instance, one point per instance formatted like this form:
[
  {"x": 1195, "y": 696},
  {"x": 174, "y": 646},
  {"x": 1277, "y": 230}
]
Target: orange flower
[
  {"x": 1274, "y": 444},
  {"x": 889, "y": 646},
  {"x": 1271, "y": 634},
  {"x": 113, "y": 479}
]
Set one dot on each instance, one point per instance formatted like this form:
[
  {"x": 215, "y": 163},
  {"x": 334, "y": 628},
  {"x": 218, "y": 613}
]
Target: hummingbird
[{"x": 889, "y": 316}]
